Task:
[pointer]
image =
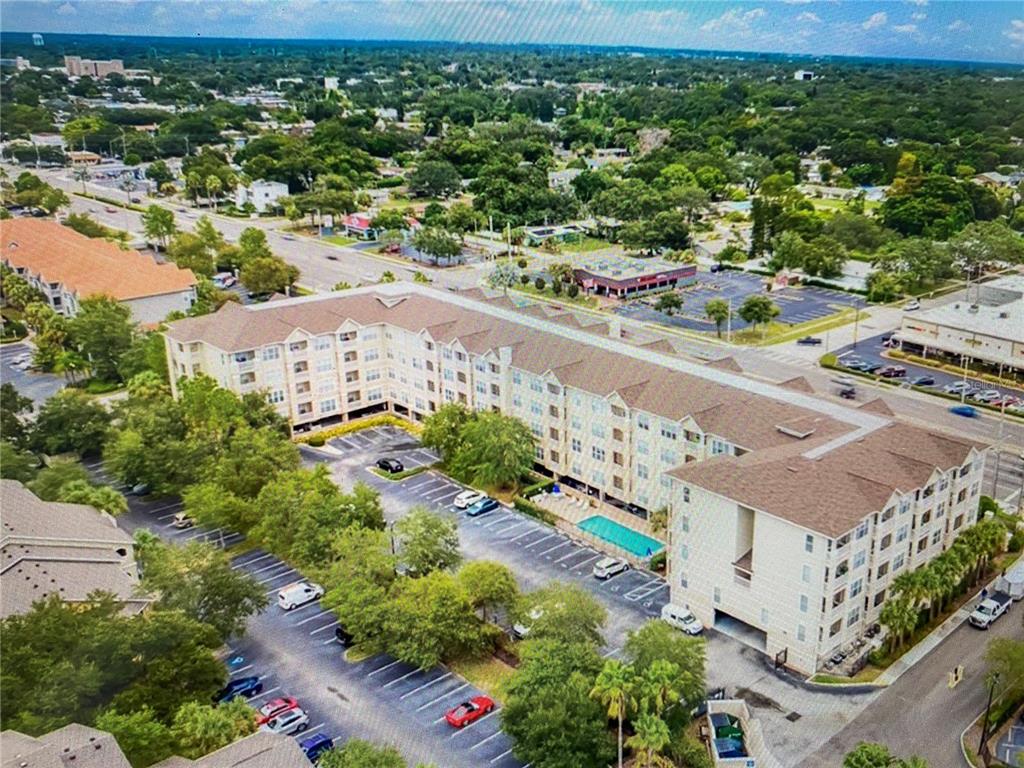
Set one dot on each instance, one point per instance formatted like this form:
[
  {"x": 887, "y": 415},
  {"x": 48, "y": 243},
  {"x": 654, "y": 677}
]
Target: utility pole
[
  {"x": 728, "y": 323},
  {"x": 982, "y": 747}
]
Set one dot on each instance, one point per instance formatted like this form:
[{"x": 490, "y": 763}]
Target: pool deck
[{"x": 570, "y": 507}]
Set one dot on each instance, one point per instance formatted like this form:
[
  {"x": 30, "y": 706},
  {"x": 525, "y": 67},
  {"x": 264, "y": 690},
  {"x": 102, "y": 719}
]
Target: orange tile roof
[{"x": 86, "y": 266}]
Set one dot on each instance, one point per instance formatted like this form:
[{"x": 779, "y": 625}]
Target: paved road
[
  {"x": 37, "y": 386},
  {"x": 919, "y": 714}
]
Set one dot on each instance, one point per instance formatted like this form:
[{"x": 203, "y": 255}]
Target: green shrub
[
  {"x": 522, "y": 263},
  {"x": 529, "y": 508},
  {"x": 573, "y": 290},
  {"x": 382, "y": 420},
  {"x": 987, "y": 504},
  {"x": 1016, "y": 543},
  {"x": 539, "y": 283},
  {"x": 532, "y": 490},
  {"x": 524, "y": 279},
  {"x": 659, "y": 561},
  {"x": 317, "y": 441}
]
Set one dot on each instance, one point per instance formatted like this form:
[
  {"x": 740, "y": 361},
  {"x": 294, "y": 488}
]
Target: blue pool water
[{"x": 621, "y": 536}]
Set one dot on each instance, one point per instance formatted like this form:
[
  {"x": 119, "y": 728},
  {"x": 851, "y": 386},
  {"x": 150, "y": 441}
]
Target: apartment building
[
  {"x": 76, "y": 66},
  {"x": 629, "y": 422},
  {"x": 67, "y": 267}
]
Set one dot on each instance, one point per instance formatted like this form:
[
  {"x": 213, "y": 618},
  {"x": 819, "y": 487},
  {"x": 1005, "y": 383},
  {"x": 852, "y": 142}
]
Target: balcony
[{"x": 743, "y": 569}]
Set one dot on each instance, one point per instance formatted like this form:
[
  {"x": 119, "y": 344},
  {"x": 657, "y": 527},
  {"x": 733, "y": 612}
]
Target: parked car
[
  {"x": 522, "y": 628},
  {"x": 342, "y": 637},
  {"x": 314, "y": 746},
  {"x": 870, "y": 367},
  {"x": 607, "y": 567},
  {"x": 968, "y": 411},
  {"x": 275, "y": 707},
  {"x": 987, "y": 395},
  {"x": 299, "y": 594},
  {"x": 958, "y": 387},
  {"x": 224, "y": 280},
  {"x": 182, "y": 521},
  {"x": 989, "y": 610},
  {"x": 390, "y": 465},
  {"x": 289, "y": 722},
  {"x": 485, "y": 506},
  {"x": 809, "y": 341},
  {"x": 892, "y": 371},
  {"x": 469, "y": 711},
  {"x": 923, "y": 381},
  {"x": 468, "y": 498},
  {"x": 140, "y": 489},
  {"x": 681, "y": 618},
  {"x": 246, "y": 687},
  {"x": 912, "y": 305}
]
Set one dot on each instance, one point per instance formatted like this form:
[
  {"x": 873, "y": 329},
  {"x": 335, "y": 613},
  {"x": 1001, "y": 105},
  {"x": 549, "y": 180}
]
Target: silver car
[{"x": 607, "y": 567}]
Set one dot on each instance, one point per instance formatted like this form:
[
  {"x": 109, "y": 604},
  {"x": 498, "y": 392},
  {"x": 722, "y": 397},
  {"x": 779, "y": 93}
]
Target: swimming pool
[{"x": 621, "y": 536}]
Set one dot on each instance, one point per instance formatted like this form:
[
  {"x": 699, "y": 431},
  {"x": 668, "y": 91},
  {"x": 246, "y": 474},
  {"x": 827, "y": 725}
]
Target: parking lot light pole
[{"x": 993, "y": 679}]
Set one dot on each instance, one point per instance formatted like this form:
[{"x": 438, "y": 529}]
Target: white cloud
[
  {"x": 959, "y": 26},
  {"x": 797, "y": 2},
  {"x": 733, "y": 21},
  {"x": 67, "y": 10},
  {"x": 810, "y": 18},
  {"x": 905, "y": 29},
  {"x": 918, "y": 3},
  {"x": 919, "y": 16},
  {"x": 1016, "y": 31},
  {"x": 876, "y": 20}
]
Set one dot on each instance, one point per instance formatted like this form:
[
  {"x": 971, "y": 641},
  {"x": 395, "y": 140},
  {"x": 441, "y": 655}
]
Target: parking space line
[
  {"x": 494, "y": 735},
  {"x": 533, "y": 529},
  {"x": 645, "y": 591},
  {"x": 538, "y": 541},
  {"x": 442, "y": 696},
  {"x": 279, "y": 587},
  {"x": 272, "y": 690},
  {"x": 162, "y": 508},
  {"x": 512, "y": 527},
  {"x": 450, "y": 494},
  {"x": 557, "y": 546},
  {"x": 503, "y": 754},
  {"x": 445, "y": 676},
  {"x": 168, "y": 516},
  {"x": 573, "y": 554},
  {"x": 504, "y": 519},
  {"x": 311, "y": 618},
  {"x": 250, "y": 562},
  {"x": 403, "y": 677},
  {"x": 286, "y": 572},
  {"x": 587, "y": 562},
  {"x": 386, "y": 666},
  {"x": 200, "y": 532},
  {"x": 314, "y": 729},
  {"x": 278, "y": 564},
  {"x": 642, "y": 586},
  {"x": 612, "y": 652},
  {"x": 468, "y": 727},
  {"x": 325, "y": 626},
  {"x": 437, "y": 493},
  {"x": 240, "y": 670},
  {"x": 610, "y": 579}
]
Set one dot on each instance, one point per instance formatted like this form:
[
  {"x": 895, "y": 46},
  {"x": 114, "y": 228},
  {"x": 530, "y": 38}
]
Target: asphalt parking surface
[
  {"x": 1010, "y": 748},
  {"x": 797, "y": 305},
  {"x": 37, "y": 386}
]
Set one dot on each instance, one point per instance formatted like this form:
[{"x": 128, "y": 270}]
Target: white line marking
[
  {"x": 250, "y": 562},
  {"x": 641, "y": 586},
  {"x": 311, "y": 618},
  {"x": 533, "y": 529},
  {"x": 325, "y": 626},
  {"x": 308, "y": 731},
  {"x": 445, "y": 676},
  {"x": 587, "y": 561},
  {"x": 442, "y": 696},
  {"x": 533, "y": 544},
  {"x": 403, "y": 677},
  {"x": 573, "y": 554},
  {"x": 557, "y": 546},
  {"x": 504, "y": 519},
  {"x": 494, "y": 735},
  {"x": 161, "y": 509},
  {"x": 269, "y": 579},
  {"x": 276, "y": 564},
  {"x": 240, "y": 670},
  {"x": 503, "y": 754},
  {"x": 612, "y": 652},
  {"x": 381, "y": 669},
  {"x": 477, "y": 722},
  {"x": 511, "y": 527}
]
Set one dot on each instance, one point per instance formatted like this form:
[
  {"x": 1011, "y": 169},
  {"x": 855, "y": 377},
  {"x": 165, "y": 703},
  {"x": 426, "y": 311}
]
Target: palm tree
[
  {"x": 657, "y": 686},
  {"x": 651, "y": 736},
  {"x": 614, "y": 689},
  {"x": 214, "y": 186},
  {"x": 899, "y": 615},
  {"x": 83, "y": 175}
]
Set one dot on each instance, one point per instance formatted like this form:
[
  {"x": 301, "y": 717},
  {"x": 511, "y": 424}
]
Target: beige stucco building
[{"x": 635, "y": 424}]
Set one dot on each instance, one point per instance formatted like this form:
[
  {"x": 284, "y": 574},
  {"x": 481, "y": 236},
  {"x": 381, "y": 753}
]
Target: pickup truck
[{"x": 990, "y": 609}]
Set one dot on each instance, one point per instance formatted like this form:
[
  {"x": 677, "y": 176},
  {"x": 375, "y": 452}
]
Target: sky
[{"x": 970, "y": 30}]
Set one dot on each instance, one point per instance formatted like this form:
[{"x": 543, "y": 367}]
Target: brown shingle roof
[
  {"x": 879, "y": 406},
  {"x": 798, "y": 384},
  {"x": 726, "y": 364},
  {"x": 84, "y": 265}
]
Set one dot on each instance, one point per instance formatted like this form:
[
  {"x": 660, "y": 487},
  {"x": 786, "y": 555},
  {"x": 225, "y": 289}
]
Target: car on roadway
[
  {"x": 289, "y": 722},
  {"x": 275, "y": 707},
  {"x": 182, "y": 521},
  {"x": 967, "y": 411},
  {"x": 607, "y": 567},
  {"x": 892, "y": 371},
  {"x": 314, "y": 746},
  {"x": 469, "y": 711},
  {"x": 681, "y": 618},
  {"x": 391, "y": 466},
  {"x": 331, "y": 257},
  {"x": 182, "y": 210},
  {"x": 342, "y": 637},
  {"x": 245, "y": 687},
  {"x": 468, "y": 498},
  {"x": 485, "y": 506},
  {"x": 912, "y": 306},
  {"x": 110, "y": 209},
  {"x": 848, "y": 393},
  {"x": 135, "y": 199},
  {"x": 299, "y": 594},
  {"x": 923, "y": 381},
  {"x": 809, "y": 341},
  {"x": 870, "y": 367},
  {"x": 224, "y": 280},
  {"x": 287, "y": 237}
]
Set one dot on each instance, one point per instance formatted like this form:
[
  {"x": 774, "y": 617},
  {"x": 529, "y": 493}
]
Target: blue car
[
  {"x": 964, "y": 410},
  {"x": 483, "y": 507},
  {"x": 314, "y": 746},
  {"x": 243, "y": 686}
]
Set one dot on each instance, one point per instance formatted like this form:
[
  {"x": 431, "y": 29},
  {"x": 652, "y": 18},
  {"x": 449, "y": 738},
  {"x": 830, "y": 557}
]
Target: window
[
  {"x": 879, "y": 598},
  {"x": 597, "y": 477},
  {"x": 325, "y": 386},
  {"x": 369, "y": 334},
  {"x": 686, "y": 523},
  {"x": 803, "y": 603},
  {"x": 643, "y": 422},
  {"x": 926, "y": 517},
  {"x": 577, "y": 446},
  {"x": 843, "y": 568},
  {"x": 576, "y": 423},
  {"x": 801, "y": 632},
  {"x": 536, "y": 385},
  {"x": 686, "y": 494},
  {"x": 904, "y": 506},
  {"x": 922, "y": 544},
  {"x": 553, "y": 433},
  {"x": 641, "y": 471},
  {"x": 853, "y": 617},
  {"x": 669, "y": 457},
  {"x": 836, "y": 627},
  {"x": 597, "y": 453},
  {"x": 717, "y": 595},
  {"x": 882, "y": 570},
  {"x": 718, "y": 447},
  {"x": 897, "y": 562},
  {"x": 598, "y": 406},
  {"x": 839, "y": 598},
  {"x": 940, "y": 511},
  {"x": 321, "y": 343},
  {"x": 324, "y": 364},
  {"x": 860, "y": 558},
  {"x": 535, "y": 408},
  {"x": 901, "y": 534},
  {"x": 597, "y": 430},
  {"x": 371, "y": 355},
  {"x": 808, "y": 543},
  {"x": 641, "y": 447},
  {"x": 328, "y": 406},
  {"x": 764, "y": 616},
  {"x": 277, "y": 396},
  {"x": 669, "y": 431},
  {"x": 862, "y": 530},
  {"x": 805, "y": 574},
  {"x": 682, "y": 579},
  {"x": 936, "y": 536},
  {"x": 886, "y": 541},
  {"x": 958, "y": 522},
  {"x": 684, "y": 552},
  {"x": 856, "y": 587},
  {"x": 517, "y": 377},
  {"x": 271, "y": 353},
  {"x": 888, "y": 513},
  {"x": 374, "y": 395}
]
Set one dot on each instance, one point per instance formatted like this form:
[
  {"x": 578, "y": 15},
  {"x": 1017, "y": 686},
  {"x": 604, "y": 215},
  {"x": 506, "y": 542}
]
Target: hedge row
[
  {"x": 527, "y": 507},
  {"x": 396, "y": 476},
  {"x": 383, "y": 420},
  {"x": 532, "y": 490}
]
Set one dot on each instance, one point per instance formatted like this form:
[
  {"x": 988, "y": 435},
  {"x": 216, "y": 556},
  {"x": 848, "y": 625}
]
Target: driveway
[{"x": 37, "y": 386}]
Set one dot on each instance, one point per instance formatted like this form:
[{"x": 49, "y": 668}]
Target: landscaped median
[
  {"x": 396, "y": 476},
  {"x": 319, "y": 438}
]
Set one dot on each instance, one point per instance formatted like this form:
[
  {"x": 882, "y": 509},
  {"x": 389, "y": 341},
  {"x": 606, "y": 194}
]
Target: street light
[{"x": 993, "y": 679}]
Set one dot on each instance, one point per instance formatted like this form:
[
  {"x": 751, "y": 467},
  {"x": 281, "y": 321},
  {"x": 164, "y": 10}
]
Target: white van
[{"x": 681, "y": 618}]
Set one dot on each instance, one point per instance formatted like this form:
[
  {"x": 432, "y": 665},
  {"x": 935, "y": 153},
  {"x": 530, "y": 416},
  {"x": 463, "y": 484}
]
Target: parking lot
[
  {"x": 797, "y": 305},
  {"x": 1010, "y": 748},
  {"x": 37, "y": 386}
]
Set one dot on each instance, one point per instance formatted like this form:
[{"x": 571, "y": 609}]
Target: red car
[
  {"x": 275, "y": 707},
  {"x": 469, "y": 711}
]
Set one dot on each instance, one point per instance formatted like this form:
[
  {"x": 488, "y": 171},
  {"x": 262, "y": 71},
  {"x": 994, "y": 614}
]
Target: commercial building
[
  {"x": 628, "y": 423},
  {"x": 76, "y": 66},
  {"x": 69, "y": 550},
  {"x": 626, "y": 276},
  {"x": 67, "y": 267},
  {"x": 84, "y": 747},
  {"x": 263, "y": 195},
  {"x": 988, "y": 328}
]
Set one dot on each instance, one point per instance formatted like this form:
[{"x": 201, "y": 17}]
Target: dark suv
[{"x": 390, "y": 465}]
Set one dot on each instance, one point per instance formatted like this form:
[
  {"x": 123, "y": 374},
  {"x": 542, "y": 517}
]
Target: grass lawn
[
  {"x": 340, "y": 240},
  {"x": 825, "y": 204},
  {"x": 586, "y": 244},
  {"x": 396, "y": 476},
  {"x": 869, "y": 674},
  {"x": 776, "y": 333},
  {"x": 581, "y": 299},
  {"x": 487, "y": 673}
]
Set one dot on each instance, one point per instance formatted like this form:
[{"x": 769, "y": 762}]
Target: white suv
[
  {"x": 289, "y": 722},
  {"x": 607, "y": 567},
  {"x": 467, "y": 499},
  {"x": 681, "y": 618},
  {"x": 299, "y": 594}
]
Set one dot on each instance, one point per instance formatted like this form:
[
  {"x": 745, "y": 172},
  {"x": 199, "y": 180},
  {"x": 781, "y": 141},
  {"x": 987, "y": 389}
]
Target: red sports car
[
  {"x": 469, "y": 711},
  {"x": 275, "y": 707}
]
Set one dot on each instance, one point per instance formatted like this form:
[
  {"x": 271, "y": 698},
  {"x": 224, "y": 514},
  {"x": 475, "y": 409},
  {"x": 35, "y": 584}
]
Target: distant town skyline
[{"x": 968, "y": 31}]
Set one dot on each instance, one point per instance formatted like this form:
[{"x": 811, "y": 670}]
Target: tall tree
[
  {"x": 718, "y": 311},
  {"x": 158, "y": 224},
  {"x": 495, "y": 451},
  {"x": 442, "y": 430},
  {"x": 70, "y": 421},
  {"x": 13, "y": 409},
  {"x": 103, "y": 331},
  {"x": 489, "y": 586},
  {"x": 200, "y": 729},
  {"x": 614, "y": 688},
  {"x": 427, "y": 541}
]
